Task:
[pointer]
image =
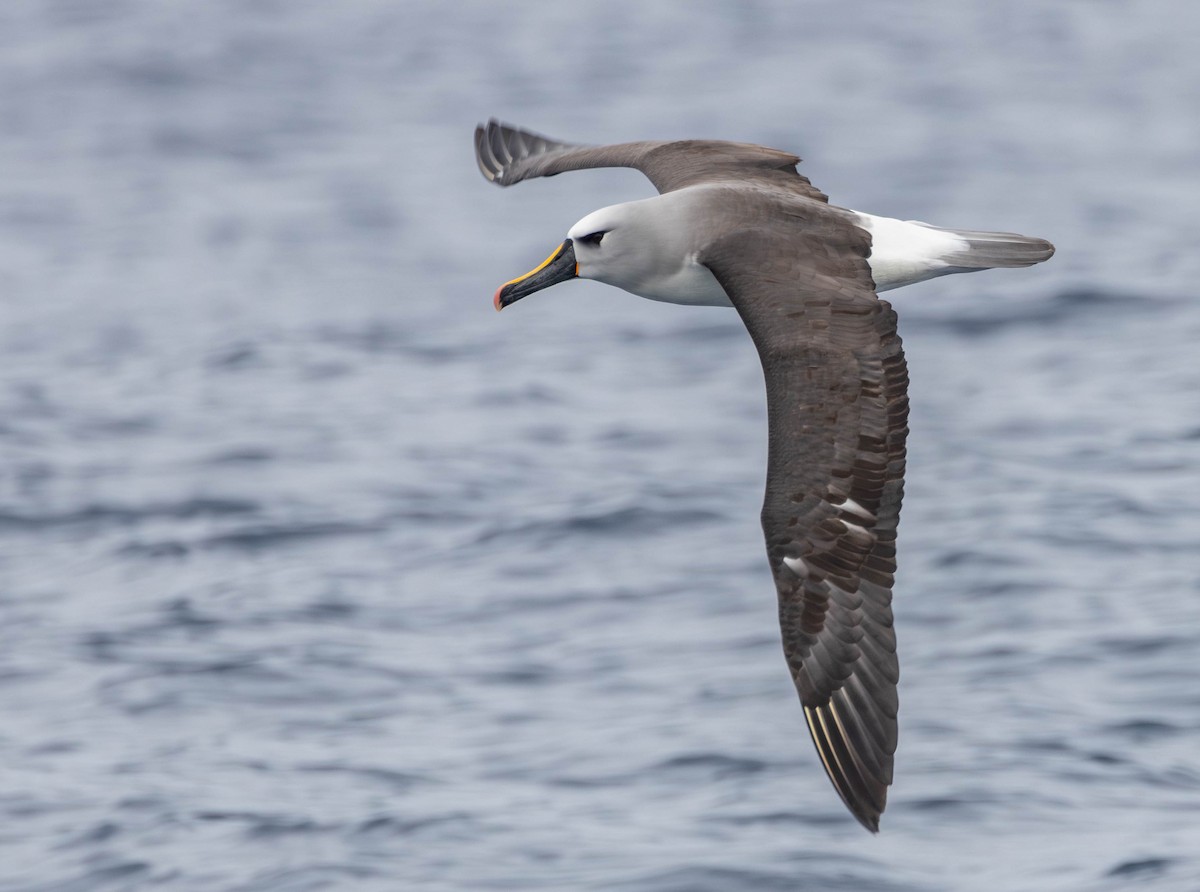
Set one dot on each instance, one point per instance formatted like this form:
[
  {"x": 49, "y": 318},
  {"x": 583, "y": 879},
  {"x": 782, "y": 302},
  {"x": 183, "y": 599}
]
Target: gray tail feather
[{"x": 988, "y": 250}]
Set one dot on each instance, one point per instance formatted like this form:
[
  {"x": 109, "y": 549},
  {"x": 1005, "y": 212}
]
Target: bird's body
[
  {"x": 903, "y": 252},
  {"x": 737, "y": 225}
]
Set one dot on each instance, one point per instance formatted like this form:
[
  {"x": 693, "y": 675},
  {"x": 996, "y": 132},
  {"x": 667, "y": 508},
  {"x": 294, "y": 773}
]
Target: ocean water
[{"x": 316, "y": 574}]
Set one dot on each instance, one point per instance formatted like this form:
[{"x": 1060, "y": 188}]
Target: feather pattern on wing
[{"x": 837, "y": 407}]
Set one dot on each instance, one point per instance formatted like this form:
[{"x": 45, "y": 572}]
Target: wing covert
[{"x": 837, "y": 411}]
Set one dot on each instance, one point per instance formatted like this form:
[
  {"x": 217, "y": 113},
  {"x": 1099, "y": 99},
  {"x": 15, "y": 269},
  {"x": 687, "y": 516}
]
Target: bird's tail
[{"x": 989, "y": 250}]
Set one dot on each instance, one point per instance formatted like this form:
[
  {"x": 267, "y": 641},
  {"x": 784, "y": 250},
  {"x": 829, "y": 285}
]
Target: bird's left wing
[
  {"x": 508, "y": 155},
  {"x": 837, "y": 408}
]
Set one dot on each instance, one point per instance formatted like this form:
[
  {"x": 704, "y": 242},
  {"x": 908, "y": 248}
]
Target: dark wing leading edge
[
  {"x": 837, "y": 408},
  {"x": 508, "y": 155}
]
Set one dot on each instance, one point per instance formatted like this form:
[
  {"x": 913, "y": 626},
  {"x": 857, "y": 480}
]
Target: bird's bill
[{"x": 558, "y": 267}]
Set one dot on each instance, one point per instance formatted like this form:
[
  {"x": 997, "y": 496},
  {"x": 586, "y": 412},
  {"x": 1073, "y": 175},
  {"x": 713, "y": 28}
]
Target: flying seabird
[{"x": 736, "y": 225}]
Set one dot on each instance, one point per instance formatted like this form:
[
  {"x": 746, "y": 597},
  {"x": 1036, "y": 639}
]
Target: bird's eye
[{"x": 592, "y": 239}]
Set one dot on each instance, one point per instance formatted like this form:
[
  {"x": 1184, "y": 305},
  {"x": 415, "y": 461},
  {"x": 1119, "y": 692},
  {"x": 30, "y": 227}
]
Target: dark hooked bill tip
[{"x": 558, "y": 267}]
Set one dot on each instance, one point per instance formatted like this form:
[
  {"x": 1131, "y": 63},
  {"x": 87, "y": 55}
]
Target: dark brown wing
[
  {"x": 837, "y": 407},
  {"x": 508, "y": 155}
]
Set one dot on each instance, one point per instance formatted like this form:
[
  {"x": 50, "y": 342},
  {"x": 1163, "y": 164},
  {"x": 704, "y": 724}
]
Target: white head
[
  {"x": 619, "y": 245},
  {"x": 640, "y": 246}
]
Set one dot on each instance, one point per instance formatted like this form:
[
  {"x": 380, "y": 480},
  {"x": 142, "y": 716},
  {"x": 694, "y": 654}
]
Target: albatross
[{"x": 736, "y": 224}]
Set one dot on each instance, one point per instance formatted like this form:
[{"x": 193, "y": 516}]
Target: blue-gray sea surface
[{"x": 315, "y": 573}]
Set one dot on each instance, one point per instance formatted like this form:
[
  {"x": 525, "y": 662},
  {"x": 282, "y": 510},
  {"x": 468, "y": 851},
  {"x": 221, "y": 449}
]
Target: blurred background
[{"x": 315, "y": 573}]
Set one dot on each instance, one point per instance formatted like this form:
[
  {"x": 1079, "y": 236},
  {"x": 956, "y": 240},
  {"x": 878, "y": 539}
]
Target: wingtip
[
  {"x": 869, "y": 822},
  {"x": 863, "y": 798},
  {"x": 485, "y": 156},
  {"x": 493, "y": 151},
  {"x": 480, "y": 142},
  {"x": 503, "y": 151}
]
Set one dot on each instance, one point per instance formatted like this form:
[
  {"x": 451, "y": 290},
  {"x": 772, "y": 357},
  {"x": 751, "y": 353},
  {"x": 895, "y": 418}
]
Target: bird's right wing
[
  {"x": 837, "y": 407},
  {"x": 508, "y": 155}
]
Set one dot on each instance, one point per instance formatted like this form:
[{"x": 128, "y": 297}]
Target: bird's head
[{"x": 607, "y": 245}]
